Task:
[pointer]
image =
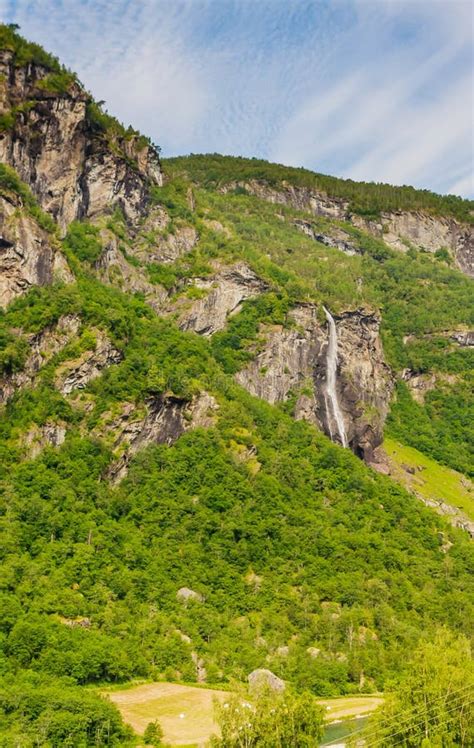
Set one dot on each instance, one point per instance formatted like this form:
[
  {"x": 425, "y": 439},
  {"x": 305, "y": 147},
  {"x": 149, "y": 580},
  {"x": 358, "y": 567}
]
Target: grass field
[
  {"x": 430, "y": 480},
  {"x": 186, "y": 712}
]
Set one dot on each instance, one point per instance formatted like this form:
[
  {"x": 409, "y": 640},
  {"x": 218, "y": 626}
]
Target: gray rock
[
  {"x": 185, "y": 594},
  {"x": 293, "y": 360},
  {"x": 29, "y": 256},
  {"x": 225, "y": 291},
  {"x": 43, "y": 346},
  {"x": 262, "y": 678},
  {"x": 68, "y": 163}
]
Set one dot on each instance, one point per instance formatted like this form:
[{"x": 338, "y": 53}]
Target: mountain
[{"x": 187, "y": 344}]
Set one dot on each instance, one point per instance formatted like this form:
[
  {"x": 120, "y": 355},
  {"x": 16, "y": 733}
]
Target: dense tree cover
[
  {"x": 290, "y": 540},
  {"x": 433, "y": 704},
  {"x": 268, "y": 720},
  {"x": 366, "y": 198}
]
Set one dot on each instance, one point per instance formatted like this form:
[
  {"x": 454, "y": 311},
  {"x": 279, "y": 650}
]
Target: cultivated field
[{"x": 186, "y": 712}]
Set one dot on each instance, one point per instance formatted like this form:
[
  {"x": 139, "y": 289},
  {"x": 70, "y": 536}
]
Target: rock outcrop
[
  {"x": 263, "y": 679},
  {"x": 224, "y": 293},
  {"x": 75, "y": 375},
  {"x": 398, "y": 229},
  {"x": 166, "y": 418},
  {"x": 72, "y": 164},
  {"x": 43, "y": 346},
  {"x": 431, "y": 233},
  {"x": 29, "y": 255},
  {"x": 52, "y": 434},
  {"x": 337, "y": 238},
  {"x": 112, "y": 267},
  {"x": 293, "y": 361}
]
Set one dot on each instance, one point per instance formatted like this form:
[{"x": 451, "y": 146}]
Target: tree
[
  {"x": 153, "y": 734},
  {"x": 268, "y": 720},
  {"x": 433, "y": 705}
]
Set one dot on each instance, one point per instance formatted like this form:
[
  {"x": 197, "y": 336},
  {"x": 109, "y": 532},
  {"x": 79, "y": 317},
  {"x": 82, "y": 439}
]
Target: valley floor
[{"x": 186, "y": 712}]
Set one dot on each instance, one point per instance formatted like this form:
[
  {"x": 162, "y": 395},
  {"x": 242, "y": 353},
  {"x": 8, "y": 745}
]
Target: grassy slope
[{"x": 431, "y": 480}]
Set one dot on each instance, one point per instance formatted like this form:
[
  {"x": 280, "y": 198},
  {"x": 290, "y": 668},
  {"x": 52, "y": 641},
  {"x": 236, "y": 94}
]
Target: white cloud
[{"x": 378, "y": 90}]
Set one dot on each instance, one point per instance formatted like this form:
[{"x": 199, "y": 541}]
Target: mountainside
[{"x": 187, "y": 348}]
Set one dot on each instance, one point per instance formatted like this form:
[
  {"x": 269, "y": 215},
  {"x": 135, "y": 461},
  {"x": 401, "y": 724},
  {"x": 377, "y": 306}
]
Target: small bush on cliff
[{"x": 83, "y": 240}]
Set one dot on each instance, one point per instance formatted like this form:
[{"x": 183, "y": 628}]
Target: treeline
[{"x": 365, "y": 198}]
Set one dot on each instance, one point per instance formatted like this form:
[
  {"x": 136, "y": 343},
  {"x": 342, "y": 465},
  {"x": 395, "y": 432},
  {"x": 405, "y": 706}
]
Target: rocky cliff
[
  {"x": 398, "y": 229},
  {"x": 29, "y": 255},
  {"x": 293, "y": 362},
  {"x": 75, "y": 165}
]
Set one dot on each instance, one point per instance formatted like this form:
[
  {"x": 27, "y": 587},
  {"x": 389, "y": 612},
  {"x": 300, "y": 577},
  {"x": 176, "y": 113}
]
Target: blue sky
[{"x": 370, "y": 90}]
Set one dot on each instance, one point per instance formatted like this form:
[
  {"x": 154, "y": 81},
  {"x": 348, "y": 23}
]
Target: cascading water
[{"x": 331, "y": 374}]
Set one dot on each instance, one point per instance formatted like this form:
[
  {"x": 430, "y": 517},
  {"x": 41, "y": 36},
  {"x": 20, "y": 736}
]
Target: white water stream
[{"x": 331, "y": 374}]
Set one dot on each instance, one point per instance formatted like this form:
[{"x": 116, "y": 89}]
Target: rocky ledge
[
  {"x": 29, "y": 255},
  {"x": 398, "y": 229},
  {"x": 73, "y": 166}
]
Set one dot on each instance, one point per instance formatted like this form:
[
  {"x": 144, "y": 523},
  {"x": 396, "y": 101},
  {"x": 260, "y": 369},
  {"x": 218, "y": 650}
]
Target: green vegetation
[
  {"x": 322, "y": 570},
  {"x": 83, "y": 240},
  {"x": 365, "y": 198},
  {"x": 268, "y": 720},
  {"x": 430, "y": 479},
  {"x": 432, "y": 706},
  {"x": 441, "y": 428},
  {"x": 25, "y": 51},
  {"x": 347, "y": 562},
  {"x": 37, "y": 710}
]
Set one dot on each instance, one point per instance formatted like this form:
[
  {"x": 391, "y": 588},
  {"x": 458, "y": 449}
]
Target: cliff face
[
  {"x": 66, "y": 160},
  {"x": 293, "y": 361},
  {"x": 29, "y": 255},
  {"x": 398, "y": 229}
]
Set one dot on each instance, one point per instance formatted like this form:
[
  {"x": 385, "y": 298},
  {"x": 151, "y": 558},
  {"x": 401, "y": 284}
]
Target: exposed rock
[
  {"x": 293, "y": 359},
  {"x": 282, "y": 651},
  {"x": 454, "y": 516},
  {"x": 79, "y": 622},
  {"x": 166, "y": 418},
  {"x": 301, "y": 198},
  {"x": 169, "y": 248},
  {"x": 313, "y": 652},
  {"x": 338, "y": 239},
  {"x": 464, "y": 339},
  {"x": 424, "y": 231},
  {"x": 217, "y": 227},
  {"x": 112, "y": 267},
  {"x": 398, "y": 229},
  {"x": 29, "y": 255},
  {"x": 70, "y": 165},
  {"x": 225, "y": 292},
  {"x": 262, "y": 678},
  {"x": 75, "y": 375},
  {"x": 43, "y": 346},
  {"x": 185, "y": 594},
  {"x": 201, "y": 673},
  {"x": 420, "y": 384},
  {"x": 37, "y": 438}
]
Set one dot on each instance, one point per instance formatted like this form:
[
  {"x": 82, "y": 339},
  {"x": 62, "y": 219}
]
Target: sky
[{"x": 376, "y": 90}]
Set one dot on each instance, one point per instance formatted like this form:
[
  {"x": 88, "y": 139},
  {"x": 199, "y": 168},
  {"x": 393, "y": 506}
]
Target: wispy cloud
[{"x": 377, "y": 90}]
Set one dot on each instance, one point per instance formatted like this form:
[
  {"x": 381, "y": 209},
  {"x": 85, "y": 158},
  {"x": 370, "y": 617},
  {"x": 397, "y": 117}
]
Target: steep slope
[
  {"x": 400, "y": 216},
  {"x": 160, "y": 519},
  {"x": 77, "y": 160}
]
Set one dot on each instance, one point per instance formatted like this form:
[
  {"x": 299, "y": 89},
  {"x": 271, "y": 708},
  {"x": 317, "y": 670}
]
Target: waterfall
[{"x": 331, "y": 374}]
